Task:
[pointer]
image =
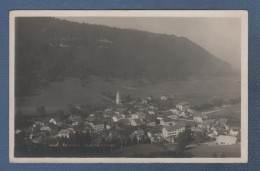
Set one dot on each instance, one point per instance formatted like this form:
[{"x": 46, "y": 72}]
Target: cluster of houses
[{"x": 136, "y": 121}]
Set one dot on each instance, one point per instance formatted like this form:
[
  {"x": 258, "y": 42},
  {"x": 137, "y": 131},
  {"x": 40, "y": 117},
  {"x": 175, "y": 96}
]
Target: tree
[{"x": 184, "y": 138}]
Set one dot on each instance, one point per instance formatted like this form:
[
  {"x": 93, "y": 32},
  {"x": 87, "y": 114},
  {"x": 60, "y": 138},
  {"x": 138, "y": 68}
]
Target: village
[{"x": 128, "y": 122}]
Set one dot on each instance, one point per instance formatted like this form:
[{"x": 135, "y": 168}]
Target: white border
[{"x": 134, "y": 13}]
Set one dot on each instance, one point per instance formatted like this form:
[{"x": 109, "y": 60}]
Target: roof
[
  {"x": 173, "y": 128},
  {"x": 64, "y": 131},
  {"x": 138, "y": 121},
  {"x": 156, "y": 130},
  {"x": 139, "y": 131},
  {"x": 126, "y": 121},
  {"x": 166, "y": 119},
  {"x": 45, "y": 128},
  {"x": 235, "y": 128},
  {"x": 183, "y": 103}
]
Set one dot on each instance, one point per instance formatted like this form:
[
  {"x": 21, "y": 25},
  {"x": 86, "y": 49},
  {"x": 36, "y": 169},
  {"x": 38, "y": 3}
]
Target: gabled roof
[
  {"x": 156, "y": 130},
  {"x": 183, "y": 103},
  {"x": 65, "y": 131},
  {"x": 172, "y": 128},
  {"x": 138, "y": 121}
]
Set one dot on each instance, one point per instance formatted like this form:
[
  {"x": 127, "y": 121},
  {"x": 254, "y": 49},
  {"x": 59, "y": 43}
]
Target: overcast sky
[{"x": 220, "y": 36}]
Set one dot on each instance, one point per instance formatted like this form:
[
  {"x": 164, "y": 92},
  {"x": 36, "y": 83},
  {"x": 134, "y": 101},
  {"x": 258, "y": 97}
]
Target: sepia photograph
[{"x": 125, "y": 86}]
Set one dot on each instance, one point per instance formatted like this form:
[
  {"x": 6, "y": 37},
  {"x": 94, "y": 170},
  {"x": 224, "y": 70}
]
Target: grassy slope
[
  {"x": 208, "y": 150},
  {"x": 62, "y": 94}
]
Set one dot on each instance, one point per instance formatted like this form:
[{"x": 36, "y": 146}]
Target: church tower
[{"x": 117, "y": 98}]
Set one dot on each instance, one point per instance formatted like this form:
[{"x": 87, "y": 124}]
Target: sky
[{"x": 219, "y": 36}]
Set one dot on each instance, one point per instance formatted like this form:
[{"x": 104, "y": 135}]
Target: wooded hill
[{"x": 49, "y": 49}]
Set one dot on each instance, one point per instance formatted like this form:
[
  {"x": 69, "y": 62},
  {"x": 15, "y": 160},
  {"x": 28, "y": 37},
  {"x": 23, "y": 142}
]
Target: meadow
[
  {"x": 205, "y": 150},
  {"x": 60, "y": 95}
]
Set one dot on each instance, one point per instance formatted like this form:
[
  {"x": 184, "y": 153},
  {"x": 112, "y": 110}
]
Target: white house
[
  {"x": 174, "y": 111},
  {"x": 164, "y": 97},
  {"x": 226, "y": 140},
  {"x": 183, "y": 106},
  {"x": 234, "y": 131},
  {"x": 172, "y": 131},
  {"x": 52, "y": 121},
  {"x": 197, "y": 119},
  {"x": 64, "y": 133},
  {"x": 135, "y": 122}
]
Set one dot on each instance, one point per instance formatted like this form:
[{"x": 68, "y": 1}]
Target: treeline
[
  {"x": 216, "y": 103},
  {"x": 49, "y": 49}
]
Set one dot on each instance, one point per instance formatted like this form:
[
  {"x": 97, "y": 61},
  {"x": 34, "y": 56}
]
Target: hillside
[{"x": 49, "y": 49}]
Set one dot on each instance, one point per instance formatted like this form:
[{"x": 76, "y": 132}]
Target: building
[
  {"x": 226, "y": 140},
  {"x": 65, "y": 133},
  {"x": 117, "y": 98},
  {"x": 138, "y": 134},
  {"x": 172, "y": 131},
  {"x": 183, "y": 106},
  {"x": 197, "y": 119},
  {"x": 234, "y": 131},
  {"x": 164, "y": 98},
  {"x": 135, "y": 122},
  {"x": 151, "y": 124}
]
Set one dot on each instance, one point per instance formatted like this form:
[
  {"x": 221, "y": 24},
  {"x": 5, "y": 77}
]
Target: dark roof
[
  {"x": 138, "y": 121},
  {"x": 156, "y": 130}
]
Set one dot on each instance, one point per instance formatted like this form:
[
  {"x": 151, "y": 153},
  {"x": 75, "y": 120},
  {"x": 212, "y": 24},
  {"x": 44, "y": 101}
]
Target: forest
[{"x": 50, "y": 49}]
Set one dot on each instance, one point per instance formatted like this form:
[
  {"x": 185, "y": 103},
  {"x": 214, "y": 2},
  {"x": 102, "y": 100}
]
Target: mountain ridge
[{"x": 48, "y": 49}]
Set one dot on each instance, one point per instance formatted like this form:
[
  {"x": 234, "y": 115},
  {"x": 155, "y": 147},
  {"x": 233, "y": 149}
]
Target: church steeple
[{"x": 117, "y": 98}]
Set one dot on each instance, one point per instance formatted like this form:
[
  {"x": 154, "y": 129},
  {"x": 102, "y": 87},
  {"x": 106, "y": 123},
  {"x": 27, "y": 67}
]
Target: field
[
  {"x": 205, "y": 150},
  {"x": 143, "y": 149},
  {"x": 60, "y": 95}
]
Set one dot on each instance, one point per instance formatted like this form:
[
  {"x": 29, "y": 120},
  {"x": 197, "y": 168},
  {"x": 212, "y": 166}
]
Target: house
[
  {"x": 99, "y": 125},
  {"x": 195, "y": 129},
  {"x": 222, "y": 122},
  {"x": 135, "y": 122},
  {"x": 65, "y": 133},
  {"x": 155, "y": 132},
  {"x": 234, "y": 131},
  {"x": 173, "y": 116},
  {"x": 182, "y": 114},
  {"x": 197, "y": 119},
  {"x": 151, "y": 124},
  {"x": 138, "y": 134},
  {"x": 151, "y": 112},
  {"x": 168, "y": 121},
  {"x": 53, "y": 121},
  {"x": 51, "y": 141},
  {"x": 138, "y": 115},
  {"x": 87, "y": 129},
  {"x": 164, "y": 98},
  {"x": 183, "y": 106},
  {"x": 118, "y": 117},
  {"x": 124, "y": 122},
  {"x": 226, "y": 140},
  {"x": 174, "y": 111},
  {"x": 172, "y": 131},
  {"x": 159, "y": 121},
  {"x": 46, "y": 130}
]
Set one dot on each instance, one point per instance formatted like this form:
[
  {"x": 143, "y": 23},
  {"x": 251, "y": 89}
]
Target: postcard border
[{"x": 147, "y": 13}]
